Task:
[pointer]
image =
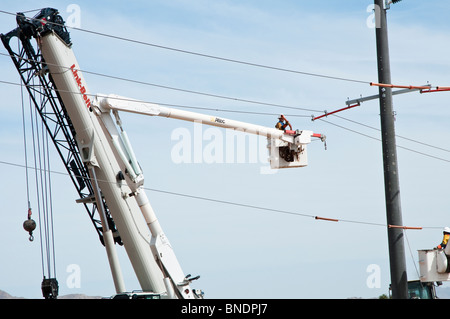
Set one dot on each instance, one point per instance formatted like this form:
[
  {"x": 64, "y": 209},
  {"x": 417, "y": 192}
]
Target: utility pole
[{"x": 399, "y": 282}]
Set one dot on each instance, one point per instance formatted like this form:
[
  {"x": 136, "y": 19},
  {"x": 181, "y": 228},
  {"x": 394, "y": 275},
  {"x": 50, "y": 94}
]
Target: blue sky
[{"x": 243, "y": 252}]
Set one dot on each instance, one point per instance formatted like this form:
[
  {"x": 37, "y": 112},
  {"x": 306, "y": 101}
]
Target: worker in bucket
[
  {"x": 444, "y": 242},
  {"x": 282, "y": 123}
]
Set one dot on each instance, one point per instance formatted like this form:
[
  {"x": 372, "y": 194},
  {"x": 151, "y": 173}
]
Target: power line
[
  {"x": 379, "y": 140},
  {"x": 244, "y": 112},
  {"x": 215, "y": 95},
  {"x": 234, "y": 99},
  {"x": 199, "y": 93},
  {"x": 399, "y": 136},
  {"x": 172, "y": 105},
  {"x": 271, "y": 114},
  {"x": 203, "y": 54},
  {"x": 177, "y": 89},
  {"x": 215, "y": 57},
  {"x": 220, "y": 201}
]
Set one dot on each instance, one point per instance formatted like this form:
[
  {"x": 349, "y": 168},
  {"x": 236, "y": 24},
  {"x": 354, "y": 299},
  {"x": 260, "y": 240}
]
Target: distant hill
[
  {"x": 5, "y": 295},
  {"x": 78, "y": 296},
  {"x": 442, "y": 293}
]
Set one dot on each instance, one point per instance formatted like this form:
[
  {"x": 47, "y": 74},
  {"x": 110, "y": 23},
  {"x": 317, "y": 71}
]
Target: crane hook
[{"x": 29, "y": 225}]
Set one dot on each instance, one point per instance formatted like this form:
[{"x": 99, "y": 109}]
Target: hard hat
[{"x": 447, "y": 230}]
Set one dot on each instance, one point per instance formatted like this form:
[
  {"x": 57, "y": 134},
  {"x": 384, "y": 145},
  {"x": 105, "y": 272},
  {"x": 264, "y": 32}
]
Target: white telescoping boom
[
  {"x": 102, "y": 107},
  {"x": 116, "y": 176},
  {"x": 287, "y": 148},
  {"x": 157, "y": 268}
]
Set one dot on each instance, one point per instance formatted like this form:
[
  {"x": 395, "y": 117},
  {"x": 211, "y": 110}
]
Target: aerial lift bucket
[{"x": 433, "y": 265}]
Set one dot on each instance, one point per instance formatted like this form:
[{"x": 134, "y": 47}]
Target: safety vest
[
  {"x": 280, "y": 125},
  {"x": 444, "y": 241}
]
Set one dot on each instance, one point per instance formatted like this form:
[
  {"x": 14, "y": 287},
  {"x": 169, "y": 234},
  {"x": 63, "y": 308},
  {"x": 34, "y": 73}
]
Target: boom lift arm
[
  {"x": 105, "y": 107},
  {"x": 287, "y": 148}
]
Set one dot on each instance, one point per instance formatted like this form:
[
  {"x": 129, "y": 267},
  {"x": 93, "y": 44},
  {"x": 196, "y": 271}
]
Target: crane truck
[{"x": 88, "y": 134}]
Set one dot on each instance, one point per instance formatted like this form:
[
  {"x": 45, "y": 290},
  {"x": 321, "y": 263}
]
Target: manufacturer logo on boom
[{"x": 87, "y": 101}]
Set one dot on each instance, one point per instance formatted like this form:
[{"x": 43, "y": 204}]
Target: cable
[
  {"x": 399, "y": 136},
  {"x": 273, "y": 210},
  {"x": 38, "y": 197},
  {"x": 41, "y": 156},
  {"x": 378, "y": 139},
  {"x": 262, "y": 208},
  {"x": 199, "y": 93},
  {"x": 214, "y": 95},
  {"x": 410, "y": 252},
  {"x": 294, "y": 115},
  {"x": 174, "y": 88},
  {"x": 236, "y": 61},
  {"x": 202, "y": 54},
  {"x": 228, "y": 98},
  {"x": 174, "y": 105},
  {"x": 25, "y": 149},
  {"x": 259, "y": 113}
]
